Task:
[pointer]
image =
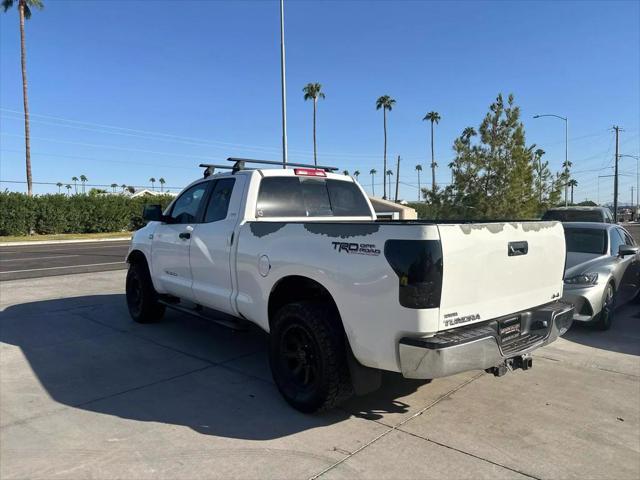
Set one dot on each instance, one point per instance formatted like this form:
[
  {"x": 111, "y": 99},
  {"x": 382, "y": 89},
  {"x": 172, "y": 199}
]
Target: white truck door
[
  {"x": 211, "y": 245},
  {"x": 170, "y": 248}
]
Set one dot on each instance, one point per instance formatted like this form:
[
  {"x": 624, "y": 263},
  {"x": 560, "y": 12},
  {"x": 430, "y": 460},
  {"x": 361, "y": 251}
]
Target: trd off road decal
[{"x": 357, "y": 248}]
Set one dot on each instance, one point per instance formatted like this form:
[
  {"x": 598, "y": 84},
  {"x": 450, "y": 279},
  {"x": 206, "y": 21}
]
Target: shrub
[{"x": 47, "y": 214}]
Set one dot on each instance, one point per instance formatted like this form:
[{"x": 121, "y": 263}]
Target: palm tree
[
  {"x": 389, "y": 174},
  {"x": 114, "y": 186},
  {"x": 313, "y": 91},
  {"x": 153, "y": 182},
  {"x": 469, "y": 132},
  {"x": 59, "y": 185},
  {"x": 83, "y": 179},
  {"x": 24, "y": 13},
  {"x": 75, "y": 183},
  {"x": 345, "y": 172},
  {"x": 373, "y": 172},
  {"x": 385, "y": 103},
  {"x": 419, "y": 169},
  {"x": 162, "y": 182},
  {"x": 123, "y": 187},
  {"x": 433, "y": 117},
  {"x": 356, "y": 174},
  {"x": 68, "y": 187},
  {"x": 572, "y": 183}
]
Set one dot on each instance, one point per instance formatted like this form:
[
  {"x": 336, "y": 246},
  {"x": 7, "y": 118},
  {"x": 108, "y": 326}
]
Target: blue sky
[{"x": 190, "y": 81}]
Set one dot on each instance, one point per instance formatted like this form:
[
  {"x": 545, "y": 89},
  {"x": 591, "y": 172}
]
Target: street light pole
[
  {"x": 566, "y": 150},
  {"x": 284, "y": 87}
]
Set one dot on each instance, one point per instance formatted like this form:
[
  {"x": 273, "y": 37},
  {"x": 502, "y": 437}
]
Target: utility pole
[
  {"x": 397, "y": 177},
  {"x": 615, "y": 178},
  {"x": 284, "y": 87}
]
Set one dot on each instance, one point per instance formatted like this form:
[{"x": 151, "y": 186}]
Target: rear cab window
[{"x": 310, "y": 197}]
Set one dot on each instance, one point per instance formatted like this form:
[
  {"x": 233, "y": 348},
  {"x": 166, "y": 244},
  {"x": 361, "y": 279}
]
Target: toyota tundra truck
[{"x": 298, "y": 252}]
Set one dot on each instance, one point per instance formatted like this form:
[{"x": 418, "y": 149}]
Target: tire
[
  {"x": 142, "y": 298},
  {"x": 604, "y": 319},
  {"x": 307, "y": 355}
]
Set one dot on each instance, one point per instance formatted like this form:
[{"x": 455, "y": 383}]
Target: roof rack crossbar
[{"x": 241, "y": 161}]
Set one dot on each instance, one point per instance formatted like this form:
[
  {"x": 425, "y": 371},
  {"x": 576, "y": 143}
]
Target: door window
[
  {"x": 185, "y": 210},
  {"x": 616, "y": 241},
  {"x": 628, "y": 239},
  {"x": 218, "y": 204}
]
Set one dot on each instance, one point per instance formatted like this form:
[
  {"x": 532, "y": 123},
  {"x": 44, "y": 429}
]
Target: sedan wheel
[{"x": 605, "y": 317}]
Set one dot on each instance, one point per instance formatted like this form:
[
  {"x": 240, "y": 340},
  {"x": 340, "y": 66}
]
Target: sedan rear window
[
  {"x": 586, "y": 240},
  {"x": 574, "y": 216},
  {"x": 310, "y": 197}
]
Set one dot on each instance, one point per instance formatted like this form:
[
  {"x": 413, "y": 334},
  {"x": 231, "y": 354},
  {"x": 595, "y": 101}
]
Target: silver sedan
[{"x": 602, "y": 270}]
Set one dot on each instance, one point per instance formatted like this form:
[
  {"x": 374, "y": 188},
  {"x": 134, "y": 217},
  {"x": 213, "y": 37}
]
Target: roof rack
[
  {"x": 210, "y": 168},
  {"x": 239, "y": 164}
]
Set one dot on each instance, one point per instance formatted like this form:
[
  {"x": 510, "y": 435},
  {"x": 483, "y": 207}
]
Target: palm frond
[{"x": 7, "y": 4}]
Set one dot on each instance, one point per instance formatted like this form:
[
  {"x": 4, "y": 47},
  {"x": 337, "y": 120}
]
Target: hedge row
[{"x": 46, "y": 214}]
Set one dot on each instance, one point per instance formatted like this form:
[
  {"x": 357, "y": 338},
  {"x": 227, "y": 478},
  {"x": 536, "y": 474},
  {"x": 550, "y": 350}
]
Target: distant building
[
  {"x": 387, "y": 210},
  {"x": 145, "y": 191}
]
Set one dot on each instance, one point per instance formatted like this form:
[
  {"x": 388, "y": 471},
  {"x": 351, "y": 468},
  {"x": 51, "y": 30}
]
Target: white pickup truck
[{"x": 299, "y": 253}]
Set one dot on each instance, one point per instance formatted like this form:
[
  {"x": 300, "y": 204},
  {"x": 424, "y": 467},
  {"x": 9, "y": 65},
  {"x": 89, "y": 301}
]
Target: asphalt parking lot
[
  {"x": 85, "y": 393},
  {"x": 40, "y": 260}
]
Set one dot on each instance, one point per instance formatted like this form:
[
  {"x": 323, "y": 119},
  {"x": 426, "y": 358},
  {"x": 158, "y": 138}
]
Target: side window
[
  {"x": 616, "y": 241},
  {"x": 219, "y": 200},
  {"x": 628, "y": 239},
  {"x": 185, "y": 210},
  {"x": 609, "y": 216}
]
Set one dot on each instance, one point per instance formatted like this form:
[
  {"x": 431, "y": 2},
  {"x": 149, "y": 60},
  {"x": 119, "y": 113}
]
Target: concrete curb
[{"x": 56, "y": 242}]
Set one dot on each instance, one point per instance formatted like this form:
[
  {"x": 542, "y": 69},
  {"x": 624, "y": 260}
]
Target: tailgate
[{"x": 495, "y": 269}]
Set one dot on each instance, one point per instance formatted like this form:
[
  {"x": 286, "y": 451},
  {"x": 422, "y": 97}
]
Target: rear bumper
[{"x": 481, "y": 346}]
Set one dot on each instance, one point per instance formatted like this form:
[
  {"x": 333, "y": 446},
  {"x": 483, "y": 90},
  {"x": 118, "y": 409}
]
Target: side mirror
[
  {"x": 628, "y": 250},
  {"x": 153, "y": 213}
]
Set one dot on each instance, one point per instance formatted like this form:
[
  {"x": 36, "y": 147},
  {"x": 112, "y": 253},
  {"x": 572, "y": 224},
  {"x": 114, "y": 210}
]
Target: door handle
[
  {"x": 185, "y": 235},
  {"x": 518, "y": 248}
]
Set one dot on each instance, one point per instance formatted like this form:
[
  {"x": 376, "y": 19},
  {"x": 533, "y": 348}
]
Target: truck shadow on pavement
[
  {"x": 623, "y": 337},
  {"x": 86, "y": 353}
]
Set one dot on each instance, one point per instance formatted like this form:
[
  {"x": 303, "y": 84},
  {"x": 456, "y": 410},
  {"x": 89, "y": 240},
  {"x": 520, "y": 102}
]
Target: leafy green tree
[
  {"x": 313, "y": 91},
  {"x": 153, "y": 182},
  {"x": 68, "y": 187},
  {"x": 123, "y": 187},
  {"x": 113, "y": 187},
  {"x": 162, "y": 181},
  {"x": 433, "y": 117},
  {"x": 59, "y": 185},
  {"x": 24, "y": 13},
  {"x": 373, "y": 172},
  {"x": 566, "y": 178},
  {"x": 83, "y": 180},
  {"x": 385, "y": 103},
  {"x": 419, "y": 169},
  {"x": 495, "y": 177},
  {"x": 75, "y": 184}
]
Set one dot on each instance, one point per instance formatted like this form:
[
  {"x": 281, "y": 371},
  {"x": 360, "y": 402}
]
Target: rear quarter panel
[{"x": 363, "y": 285}]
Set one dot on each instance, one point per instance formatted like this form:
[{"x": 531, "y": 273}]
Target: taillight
[
  {"x": 309, "y": 172},
  {"x": 418, "y": 265}
]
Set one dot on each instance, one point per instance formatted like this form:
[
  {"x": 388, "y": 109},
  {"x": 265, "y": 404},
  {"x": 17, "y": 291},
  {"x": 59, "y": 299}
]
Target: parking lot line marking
[
  {"x": 64, "y": 249},
  {"x": 66, "y": 266},
  {"x": 36, "y": 258}
]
